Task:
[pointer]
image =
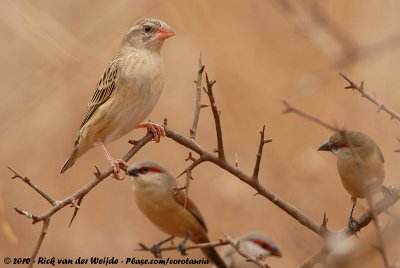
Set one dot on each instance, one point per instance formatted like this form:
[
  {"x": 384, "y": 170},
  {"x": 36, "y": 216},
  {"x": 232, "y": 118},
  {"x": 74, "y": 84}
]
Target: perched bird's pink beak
[{"x": 164, "y": 32}]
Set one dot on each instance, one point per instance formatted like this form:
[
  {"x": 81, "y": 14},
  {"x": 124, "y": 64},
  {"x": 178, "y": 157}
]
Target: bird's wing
[
  {"x": 186, "y": 202},
  {"x": 104, "y": 89}
]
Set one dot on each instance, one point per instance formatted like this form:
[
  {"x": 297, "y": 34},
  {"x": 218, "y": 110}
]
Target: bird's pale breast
[
  {"x": 356, "y": 176},
  {"x": 138, "y": 89}
]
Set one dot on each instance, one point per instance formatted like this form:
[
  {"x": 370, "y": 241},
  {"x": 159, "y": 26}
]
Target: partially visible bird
[
  {"x": 126, "y": 93},
  {"x": 360, "y": 163},
  {"x": 256, "y": 244},
  {"x": 170, "y": 210}
]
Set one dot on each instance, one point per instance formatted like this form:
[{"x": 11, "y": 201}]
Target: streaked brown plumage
[{"x": 127, "y": 91}]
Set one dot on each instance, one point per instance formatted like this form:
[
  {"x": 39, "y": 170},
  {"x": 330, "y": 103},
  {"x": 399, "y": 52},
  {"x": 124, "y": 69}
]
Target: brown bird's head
[
  {"x": 150, "y": 174},
  {"x": 148, "y": 33},
  {"x": 260, "y": 245},
  {"x": 342, "y": 142}
]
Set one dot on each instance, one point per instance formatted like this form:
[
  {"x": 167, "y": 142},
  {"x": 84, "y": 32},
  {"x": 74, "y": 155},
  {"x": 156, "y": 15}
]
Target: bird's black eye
[
  {"x": 143, "y": 170},
  {"x": 266, "y": 246},
  {"x": 147, "y": 29}
]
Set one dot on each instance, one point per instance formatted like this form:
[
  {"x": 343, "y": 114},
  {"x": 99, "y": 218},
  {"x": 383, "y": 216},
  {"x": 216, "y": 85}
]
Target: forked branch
[
  {"x": 217, "y": 118},
  {"x": 263, "y": 141},
  {"x": 360, "y": 88}
]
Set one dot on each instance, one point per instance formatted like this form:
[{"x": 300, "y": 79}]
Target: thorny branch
[
  {"x": 188, "y": 172},
  {"x": 221, "y": 242},
  {"x": 198, "y": 105},
  {"x": 370, "y": 97},
  {"x": 46, "y": 196},
  {"x": 89, "y": 186},
  {"x": 346, "y": 232},
  {"x": 43, "y": 233},
  {"x": 263, "y": 141},
  {"x": 220, "y": 161},
  {"x": 217, "y": 118},
  {"x": 78, "y": 195}
]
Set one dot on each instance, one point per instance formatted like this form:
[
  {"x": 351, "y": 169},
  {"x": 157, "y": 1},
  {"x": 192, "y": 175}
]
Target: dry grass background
[{"x": 53, "y": 53}]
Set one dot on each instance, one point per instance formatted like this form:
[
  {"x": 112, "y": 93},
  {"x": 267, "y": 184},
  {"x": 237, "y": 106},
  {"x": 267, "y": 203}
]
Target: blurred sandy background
[{"x": 260, "y": 52}]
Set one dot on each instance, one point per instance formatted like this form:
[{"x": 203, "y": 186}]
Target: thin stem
[{"x": 198, "y": 106}]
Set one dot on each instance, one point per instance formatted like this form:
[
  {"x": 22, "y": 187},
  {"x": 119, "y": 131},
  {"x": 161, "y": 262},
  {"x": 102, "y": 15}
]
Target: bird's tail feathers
[
  {"x": 71, "y": 161},
  {"x": 213, "y": 256}
]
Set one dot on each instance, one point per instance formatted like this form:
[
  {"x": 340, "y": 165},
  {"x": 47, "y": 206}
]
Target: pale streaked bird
[
  {"x": 126, "y": 93},
  {"x": 169, "y": 210},
  {"x": 360, "y": 163},
  {"x": 256, "y": 244}
]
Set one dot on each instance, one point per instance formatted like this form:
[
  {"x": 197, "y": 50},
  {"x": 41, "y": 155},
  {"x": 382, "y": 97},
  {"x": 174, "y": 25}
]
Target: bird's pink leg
[
  {"x": 155, "y": 128},
  {"x": 115, "y": 163}
]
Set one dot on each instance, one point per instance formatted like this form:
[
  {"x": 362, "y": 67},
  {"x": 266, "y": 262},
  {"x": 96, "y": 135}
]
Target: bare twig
[
  {"x": 57, "y": 205},
  {"x": 77, "y": 207},
  {"x": 318, "y": 257},
  {"x": 43, "y": 233},
  {"x": 263, "y": 141},
  {"x": 236, "y": 160},
  {"x": 227, "y": 240},
  {"x": 324, "y": 221},
  {"x": 27, "y": 214},
  {"x": 346, "y": 232},
  {"x": 93, "y": 183},
  {"x": 190, "y": 157},
  {"x": 292, "y": 109},
  {"x": 220, "y": 242},
  {"x": 185, "y": 187},
  {"x": 50, "y": 199},
  {"x": 248, "y": 179},
  {"x": 360, "y": 88},
  {"x": 188, "y": 172},
  {"x": 217, "y": 118},
  {"x": 198, "y": 104}
]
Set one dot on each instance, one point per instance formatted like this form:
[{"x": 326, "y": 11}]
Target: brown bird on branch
[
  {"x": 360, "y": 164},
  {"x": 126, "y": 93},
  {"x": 170, "y": 210},
  {"x": 256, "y": 244}
]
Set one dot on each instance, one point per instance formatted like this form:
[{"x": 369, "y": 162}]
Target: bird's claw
[
  {"x": 117, "y": 165},
  {"x": 182, "y": 248},
  {"x": 155, "y": 128},
  {"x": 155, "y": 249}
]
